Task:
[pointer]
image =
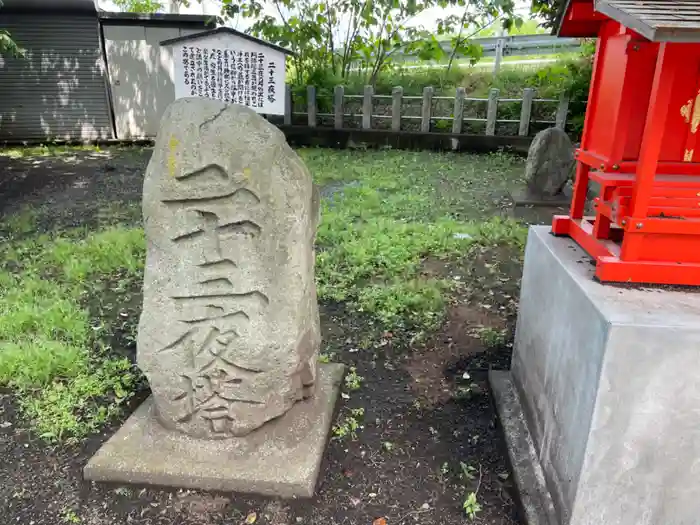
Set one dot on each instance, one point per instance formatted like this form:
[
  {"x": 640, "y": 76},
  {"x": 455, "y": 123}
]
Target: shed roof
[
  {"x": 225, "y": 31},
  {"x": 657, "y": 20},
  {"x": 158, "y": 19},
  {"x": 35, "y": 6}
]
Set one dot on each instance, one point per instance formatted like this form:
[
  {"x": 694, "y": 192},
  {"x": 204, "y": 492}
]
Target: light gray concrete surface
[
  {"x": 535, "y": 500},
  {"x": 281, "y": 459},
  {"x": 609, "y": 380},
  {"x": 559, "y": 347}
]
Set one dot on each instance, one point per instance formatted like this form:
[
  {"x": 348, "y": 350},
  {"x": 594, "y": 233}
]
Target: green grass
[
  {"x": 396, "y": 210},
  {"x": 385, "y": 214},
  {"x": 45, "y": 150},
  {"x": 51, "y": 353}
]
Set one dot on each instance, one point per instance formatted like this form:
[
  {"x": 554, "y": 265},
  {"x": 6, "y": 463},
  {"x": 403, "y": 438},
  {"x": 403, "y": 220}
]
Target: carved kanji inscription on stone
[{"x": 229, "y": 332}]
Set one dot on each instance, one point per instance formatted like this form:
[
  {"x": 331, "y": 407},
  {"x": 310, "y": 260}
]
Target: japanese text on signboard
[{"x": 241, "y": 77}]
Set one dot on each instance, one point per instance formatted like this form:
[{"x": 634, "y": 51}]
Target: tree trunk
[{"x": 173, "y": 6}]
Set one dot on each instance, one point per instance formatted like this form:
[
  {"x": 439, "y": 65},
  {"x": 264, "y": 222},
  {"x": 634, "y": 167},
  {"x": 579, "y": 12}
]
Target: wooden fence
[
  {"x": 426, "y": 119},
  {"x": 388, "y": 124}
]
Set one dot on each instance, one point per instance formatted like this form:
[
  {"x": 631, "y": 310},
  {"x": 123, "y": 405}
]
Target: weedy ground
[{"x": 418, "y": 272}]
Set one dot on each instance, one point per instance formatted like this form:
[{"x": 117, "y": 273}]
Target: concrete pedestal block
[
  {"x": 607, "y": 381},
  {"x": 281, "y": 459}
]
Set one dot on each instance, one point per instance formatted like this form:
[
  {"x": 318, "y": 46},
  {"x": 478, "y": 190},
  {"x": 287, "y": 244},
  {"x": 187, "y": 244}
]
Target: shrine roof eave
[
  {"x": 656, "y": 20},
  {"x": 579, "y": 19}
]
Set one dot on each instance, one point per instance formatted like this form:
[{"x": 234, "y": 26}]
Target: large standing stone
[
  {"x": 549, "y": 168},
  {"x": 229, "y": 333},
  {"x": 550, "y": 161}
]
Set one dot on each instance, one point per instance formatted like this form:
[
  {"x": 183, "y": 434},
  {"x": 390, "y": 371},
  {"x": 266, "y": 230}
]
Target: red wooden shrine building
[{"x": 641, "y": 141}]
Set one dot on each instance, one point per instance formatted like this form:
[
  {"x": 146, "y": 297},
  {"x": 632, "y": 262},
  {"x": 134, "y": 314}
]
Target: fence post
[
  {"x": 500, "y": 44},
  {"x": 426, "y": 110},
  {"x": 526, "y": 112},
  {"x": 311, "y": 105},
  {"x": 367, "y": 108},
  {"x": 492, "y": 112},
  {"x": 562, "y": 111},
  {"x": 339, "y": 106},
  {"x": 396, "y": 100},
  {"x": 458, "y": 110},
  {"x": 288, "y": 105},
  {"x": 458, "y": 115}
]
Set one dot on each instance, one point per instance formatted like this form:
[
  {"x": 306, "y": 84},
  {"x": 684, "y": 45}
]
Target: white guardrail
[
  {"x": 526, "y": 45},
  {"x": 520, "y": 45}
]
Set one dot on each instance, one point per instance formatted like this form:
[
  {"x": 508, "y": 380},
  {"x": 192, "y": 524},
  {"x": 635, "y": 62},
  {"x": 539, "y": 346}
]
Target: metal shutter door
[{"x": 58, "y": 91}]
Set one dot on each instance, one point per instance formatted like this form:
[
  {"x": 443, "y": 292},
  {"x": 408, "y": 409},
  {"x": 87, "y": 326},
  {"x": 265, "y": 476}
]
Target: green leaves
[
  {"x": 471, "y": 506},
  {"x": 549, "y": 9},
  {"x": 468, "y": 49},
  {"x": 428, "y": 48},
  {"x": 139, "y": 6},
  {"x": 350, "y": 37},
  {"x": 8, "y": 46}
]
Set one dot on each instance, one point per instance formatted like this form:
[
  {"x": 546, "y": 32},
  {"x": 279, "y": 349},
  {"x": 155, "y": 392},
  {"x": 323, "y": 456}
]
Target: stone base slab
[
  {"x": 282, "y": 458},
  {"x": 535, "y": 500},
  {"x": 525, "y": 198}
]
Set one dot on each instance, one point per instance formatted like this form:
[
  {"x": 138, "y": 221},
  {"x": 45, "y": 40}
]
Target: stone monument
[
  {"x": 550, "y": 163},
  {"x": 549, "y": 167},
  {"x": 229, "y": 333}
]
